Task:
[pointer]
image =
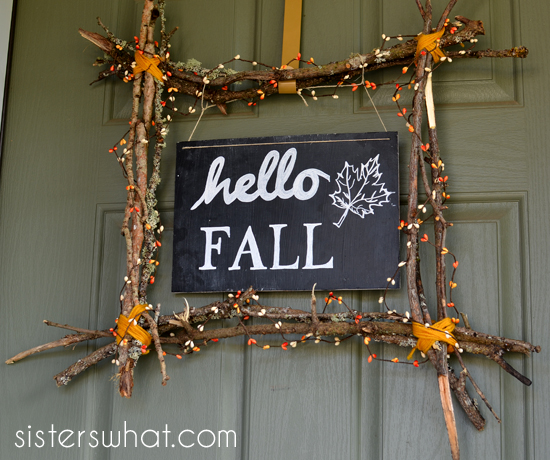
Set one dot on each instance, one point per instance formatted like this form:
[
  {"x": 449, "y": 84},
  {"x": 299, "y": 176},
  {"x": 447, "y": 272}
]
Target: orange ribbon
[
  {"x": 292, "y": 30},
  {"x": 128, "y": 325},
  {"x": 146, "y": 64},
  {"x": 427, "y": 336},
  {"x": 430, "y": 43}
]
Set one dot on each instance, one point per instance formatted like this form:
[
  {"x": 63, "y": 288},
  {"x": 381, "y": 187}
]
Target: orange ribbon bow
[
  {"x": 146, "y": 64},
  {"x": 128, "y": 325},
  {"x": 427, "y": 336},
  {"x": 430, "y": 44}
]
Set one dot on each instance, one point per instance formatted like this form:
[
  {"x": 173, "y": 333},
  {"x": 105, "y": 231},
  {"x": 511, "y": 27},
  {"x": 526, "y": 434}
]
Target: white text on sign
[{"x": 250, "y": 246}]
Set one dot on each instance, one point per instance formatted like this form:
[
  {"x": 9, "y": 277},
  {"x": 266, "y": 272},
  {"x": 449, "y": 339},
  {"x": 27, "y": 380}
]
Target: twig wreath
[{"x": 157, "y": 81}]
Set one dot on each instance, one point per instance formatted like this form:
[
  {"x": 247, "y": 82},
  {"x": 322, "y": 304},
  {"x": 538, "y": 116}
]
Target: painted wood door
[{"x": 62, "y": 198}]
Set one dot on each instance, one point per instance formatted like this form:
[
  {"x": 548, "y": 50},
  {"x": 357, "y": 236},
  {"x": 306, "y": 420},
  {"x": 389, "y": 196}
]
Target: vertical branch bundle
[
  {"x": 144, "y": 90},
  {"x": 417, "y": 301}
]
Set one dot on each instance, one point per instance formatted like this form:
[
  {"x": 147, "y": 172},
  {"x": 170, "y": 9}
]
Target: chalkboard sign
[{"x": 283, "y": 213}]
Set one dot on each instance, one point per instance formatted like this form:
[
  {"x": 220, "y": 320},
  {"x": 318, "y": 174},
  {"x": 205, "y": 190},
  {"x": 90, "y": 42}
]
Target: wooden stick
[
  {"x": 138, "y": 138},
  {"x": 469, "y": 405},
  {"x": 153, "y": 330},
  {"x": 421, "y": 9},
  {"x": 66, "y": 341},
  {"x": 64, "y": 377},
  {"x": 448, "y": 412},
  {"x": 314, "y": 317}
]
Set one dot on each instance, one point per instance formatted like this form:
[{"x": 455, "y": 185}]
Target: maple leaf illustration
[{"x": 360, "y": 189}]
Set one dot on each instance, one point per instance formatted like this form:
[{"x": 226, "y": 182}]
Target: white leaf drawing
[{"x": 360, "y": 189}]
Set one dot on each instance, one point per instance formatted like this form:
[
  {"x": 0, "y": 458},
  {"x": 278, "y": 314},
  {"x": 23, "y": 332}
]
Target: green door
[{"x": 62, "y": 200}]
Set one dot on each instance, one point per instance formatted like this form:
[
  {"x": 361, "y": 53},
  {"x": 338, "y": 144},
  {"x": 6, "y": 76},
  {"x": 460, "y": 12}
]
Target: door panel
[{"x": 62, "y": 200}]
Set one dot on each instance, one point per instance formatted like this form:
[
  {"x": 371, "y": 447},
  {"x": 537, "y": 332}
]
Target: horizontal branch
[
  {"x": 391, "y": 328},
  {"x": 392, "y": 333},
  {"x": 83, "y": 336},
  {"x": 213, "y": 84},
  {"x": 516, "y": 52},
  {"x": 64, "y": 342},
  {"x": 386, "y": 325},
  {"x": 104, "y": 333}
]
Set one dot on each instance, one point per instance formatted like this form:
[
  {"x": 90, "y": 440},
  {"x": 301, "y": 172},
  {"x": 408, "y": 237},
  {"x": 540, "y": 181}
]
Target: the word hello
[{"x": 243, "y": 185}]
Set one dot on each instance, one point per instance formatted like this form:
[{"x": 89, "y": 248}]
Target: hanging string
[
  {"x": 371, "y": 101},
  {"x": 376, "y": 110}
]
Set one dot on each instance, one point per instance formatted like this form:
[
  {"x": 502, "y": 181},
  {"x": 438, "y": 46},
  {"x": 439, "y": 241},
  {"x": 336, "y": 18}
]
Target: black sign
[{"x": 283, "y": 213}]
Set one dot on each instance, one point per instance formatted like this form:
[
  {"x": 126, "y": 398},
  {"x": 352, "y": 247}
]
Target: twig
[
  {"x": 446, "y": 13},
  {"x": 421, "y": 9},
  {"x": 78, "y": 329},
  {"x": 153, "y": 330},
  {"x": 64, "y": 377},
  {"x": 428, "y": 17},
  {"x": 478, "y": 390},
  {"x": 64, "y": 342},
  {"x": 314, "y": 317},
  {"x": 517, "y": 52},
  {"x": 470, "y": 407},
  {"x": 497, "y": 358},
  {"x": 448, "y": 412}
]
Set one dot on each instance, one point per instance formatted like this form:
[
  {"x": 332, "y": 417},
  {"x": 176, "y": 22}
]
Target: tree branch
[
  {"x": 64, "y": 377},
  {"x": 385, "y": 327},
  {"x": 190, "y": 83},
  {"x": 421, "y": 9}
]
